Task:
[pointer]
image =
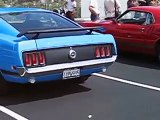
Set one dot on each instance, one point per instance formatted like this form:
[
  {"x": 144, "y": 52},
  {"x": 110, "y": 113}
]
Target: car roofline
[{"x": 19, "y": 9}]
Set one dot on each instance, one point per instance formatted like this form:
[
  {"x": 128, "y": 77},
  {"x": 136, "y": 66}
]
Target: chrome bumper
[{"x": 23, "y": 71}]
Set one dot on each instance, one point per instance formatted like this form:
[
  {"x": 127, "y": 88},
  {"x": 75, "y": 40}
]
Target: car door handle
[{"x": 142, "y": 29}]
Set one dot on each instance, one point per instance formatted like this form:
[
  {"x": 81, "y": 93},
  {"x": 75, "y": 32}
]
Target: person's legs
[{"x": 94, "y": 17}]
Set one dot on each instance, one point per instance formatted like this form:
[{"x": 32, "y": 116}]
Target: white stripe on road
[
  {"x": 12, "y": 114},
  {"x": 127, "y": 82}
]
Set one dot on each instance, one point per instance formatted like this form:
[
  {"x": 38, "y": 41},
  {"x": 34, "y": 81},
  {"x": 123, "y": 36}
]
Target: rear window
[{"x": 37, "y": 20}]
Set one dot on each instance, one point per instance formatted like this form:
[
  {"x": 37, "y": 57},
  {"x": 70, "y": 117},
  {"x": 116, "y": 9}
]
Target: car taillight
[
  {"x": 34, "y": 59},
  {"x": 41, "y": 58},
  {"x": 97, "y": 52},
  {"x": 108, "y": 51},
  {"x": 103, "y": 51},
  {"x": 27, "y": 59}
]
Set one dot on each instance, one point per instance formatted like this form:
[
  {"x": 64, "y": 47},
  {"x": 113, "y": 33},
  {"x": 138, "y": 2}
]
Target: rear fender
[{"x": 11, "y": 55}]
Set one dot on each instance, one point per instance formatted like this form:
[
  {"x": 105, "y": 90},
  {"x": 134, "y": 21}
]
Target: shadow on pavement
[
  {"x": 41, "y": 91},
  {"x": 138, "y": 60}
]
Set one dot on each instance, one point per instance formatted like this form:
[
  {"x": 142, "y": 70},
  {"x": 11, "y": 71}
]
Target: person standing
[
  {"x": 148, "y": 2},
  {"x": 132, "y": 3},
  {"x": 153, "y": 3},
  {"x": 158, "y": 3},
  {"x": 70, "y": 9},
  {"x": 142, "y": 2},
  {"x": 112, "y": 8},
  {"x": 93, "y": 8}
]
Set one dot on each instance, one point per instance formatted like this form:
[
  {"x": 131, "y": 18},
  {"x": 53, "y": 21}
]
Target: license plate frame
[{"x": 71, "y": 73}]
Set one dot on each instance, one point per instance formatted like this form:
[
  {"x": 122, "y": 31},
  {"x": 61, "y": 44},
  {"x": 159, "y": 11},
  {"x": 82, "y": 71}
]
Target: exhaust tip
[
  {"x": 32, "y": 80},
  {"x": 20, "y": 70},
  {"x": 104, "y": 69}
]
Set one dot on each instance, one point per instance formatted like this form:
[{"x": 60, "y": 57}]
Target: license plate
[{"x": 71, "y": 73}]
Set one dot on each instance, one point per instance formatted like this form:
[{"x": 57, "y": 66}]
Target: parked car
[
  {"x": 38, "y": 45},
  {"x": 137, "y": 30}
]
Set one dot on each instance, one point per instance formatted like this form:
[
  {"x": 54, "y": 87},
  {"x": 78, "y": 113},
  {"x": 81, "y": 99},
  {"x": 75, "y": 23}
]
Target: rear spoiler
[{"x": 100, "y": 29}]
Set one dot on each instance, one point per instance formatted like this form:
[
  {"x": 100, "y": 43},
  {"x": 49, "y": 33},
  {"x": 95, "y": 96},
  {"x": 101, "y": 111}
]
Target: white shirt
[
  {"x": 70, "y": 6},
  {"x": 94, "y": 4},
  {"x": 109, "y": 6}
]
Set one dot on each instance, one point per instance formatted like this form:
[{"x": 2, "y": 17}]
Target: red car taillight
[
  {"x": 34, "y": 59},
  {"x": 108, "y": 51},
  {"x": 41, "y": 58},
  {"x": 103, "y": 51},
  {"x": 97, "y": 52},
  {"x": 28, "y": 60}
]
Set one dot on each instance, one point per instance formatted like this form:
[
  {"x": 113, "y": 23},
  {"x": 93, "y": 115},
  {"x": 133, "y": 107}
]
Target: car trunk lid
[{"x": 59, "y": 42}]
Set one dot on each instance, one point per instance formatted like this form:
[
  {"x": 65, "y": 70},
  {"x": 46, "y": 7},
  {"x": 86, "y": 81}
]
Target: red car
[{"x": 136, "y": 30}]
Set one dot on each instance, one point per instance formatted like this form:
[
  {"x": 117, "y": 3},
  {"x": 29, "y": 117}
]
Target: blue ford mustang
[{"x": 38, "y": 45}]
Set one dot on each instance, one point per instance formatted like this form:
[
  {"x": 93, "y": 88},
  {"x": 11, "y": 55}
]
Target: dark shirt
[
  {"x": 130, "y": 3},
  {"x": 148, "y": 2}
]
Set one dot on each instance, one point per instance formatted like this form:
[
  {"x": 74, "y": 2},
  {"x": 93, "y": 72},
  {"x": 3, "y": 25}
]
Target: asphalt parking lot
[{"x": 128, "y": 90}]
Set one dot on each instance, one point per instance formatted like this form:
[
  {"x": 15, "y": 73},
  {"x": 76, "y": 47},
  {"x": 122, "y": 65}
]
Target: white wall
[{"x": 85, "y": 13}]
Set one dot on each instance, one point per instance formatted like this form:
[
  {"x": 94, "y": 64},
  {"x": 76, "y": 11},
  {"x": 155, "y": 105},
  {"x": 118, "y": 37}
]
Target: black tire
[
  {"x": 4, "y": 86},
  {"x": 79, "y": 80},
  {"x": 158, "y": 52}
]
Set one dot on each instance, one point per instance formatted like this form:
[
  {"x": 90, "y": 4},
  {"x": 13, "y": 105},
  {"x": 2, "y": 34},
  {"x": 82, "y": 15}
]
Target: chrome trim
[
  {"x": 21, "y": 70},
  {"x": 72, "y": 54},
  {"x": 69, "y": 65}
]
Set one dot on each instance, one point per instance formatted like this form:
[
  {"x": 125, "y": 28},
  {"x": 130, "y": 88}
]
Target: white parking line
[
  {"x": 12, "y": 114},
  {"x": 127, "y": 82}
]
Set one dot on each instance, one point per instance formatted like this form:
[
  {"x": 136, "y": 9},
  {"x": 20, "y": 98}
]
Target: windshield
[
  {"x": 37, "y": 20},
  {"x": 136, "y": 17}
]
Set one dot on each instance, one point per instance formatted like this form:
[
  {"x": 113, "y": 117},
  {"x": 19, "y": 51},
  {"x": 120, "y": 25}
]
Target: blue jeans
[{"x": 94, "y": 17}]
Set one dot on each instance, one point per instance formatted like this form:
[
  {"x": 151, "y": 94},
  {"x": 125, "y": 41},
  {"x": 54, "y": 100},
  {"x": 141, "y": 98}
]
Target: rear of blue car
[{"x": 39, "y": 46}]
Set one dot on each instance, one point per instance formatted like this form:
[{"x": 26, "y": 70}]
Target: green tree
[
  {"x": 36, "y": 3},
  {"x": 2, "y": 3}
]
